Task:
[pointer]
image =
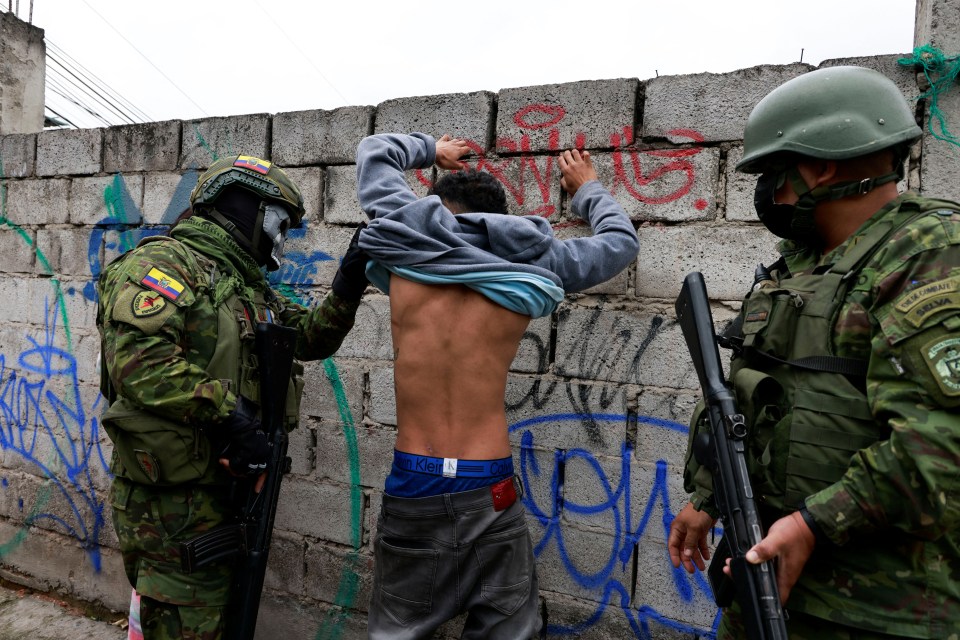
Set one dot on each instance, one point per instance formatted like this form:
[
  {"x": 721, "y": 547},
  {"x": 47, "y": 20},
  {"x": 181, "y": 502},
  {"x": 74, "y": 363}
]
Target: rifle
[
  {"x": 722, "y": 451},
  {"x": 250, "y": 536}
]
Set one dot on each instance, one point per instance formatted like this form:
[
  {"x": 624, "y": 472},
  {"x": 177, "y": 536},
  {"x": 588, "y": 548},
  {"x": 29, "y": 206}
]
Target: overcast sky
[{"x": 181, "y": 59}]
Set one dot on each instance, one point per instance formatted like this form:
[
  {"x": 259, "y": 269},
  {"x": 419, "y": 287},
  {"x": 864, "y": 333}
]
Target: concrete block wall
[{"x": 598, "y": 396}]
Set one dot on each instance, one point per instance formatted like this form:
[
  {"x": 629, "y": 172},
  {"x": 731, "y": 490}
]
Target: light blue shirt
[{"x": 526, "y": 293}]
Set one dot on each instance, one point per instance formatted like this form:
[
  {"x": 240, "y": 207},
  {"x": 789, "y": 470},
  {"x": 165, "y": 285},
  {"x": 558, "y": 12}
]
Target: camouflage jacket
[
  {"x": 162, "y": 330},
  {"x": 893, "y": 518}
]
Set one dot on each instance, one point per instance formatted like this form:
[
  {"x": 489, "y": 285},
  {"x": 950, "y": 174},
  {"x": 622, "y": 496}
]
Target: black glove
[
  {"x": 350, "y": 280},
  {"x": 247, "y": 450}
]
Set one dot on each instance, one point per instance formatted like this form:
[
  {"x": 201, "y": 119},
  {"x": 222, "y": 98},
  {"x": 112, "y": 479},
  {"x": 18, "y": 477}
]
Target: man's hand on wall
[
  {"x": 576, "y": 169},
  {"x": 449, "y": 152}
]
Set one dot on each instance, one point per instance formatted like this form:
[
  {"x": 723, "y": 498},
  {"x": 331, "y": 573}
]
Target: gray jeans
[{"x": 439, "y": 556}]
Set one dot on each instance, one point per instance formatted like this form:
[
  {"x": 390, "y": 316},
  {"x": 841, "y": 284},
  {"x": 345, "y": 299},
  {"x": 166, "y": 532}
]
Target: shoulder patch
[
  {"x": 942, "y": 355},
  {"x": 162, "y": 283},
  {"x": 147, "y": 303}
]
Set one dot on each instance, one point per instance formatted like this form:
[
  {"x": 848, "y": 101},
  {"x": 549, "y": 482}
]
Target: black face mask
[{"x": 790, "y": 221}]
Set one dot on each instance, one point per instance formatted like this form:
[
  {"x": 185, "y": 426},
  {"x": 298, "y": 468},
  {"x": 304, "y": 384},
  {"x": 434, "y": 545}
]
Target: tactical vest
[
  {"x": 806, "y": 407},
  {"x": 153, "y": 450}
]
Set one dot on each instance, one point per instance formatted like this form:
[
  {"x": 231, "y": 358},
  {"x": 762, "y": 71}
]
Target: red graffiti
[
  {"x": 640, "y": 179},
  {"x": 522, "y": 169}
]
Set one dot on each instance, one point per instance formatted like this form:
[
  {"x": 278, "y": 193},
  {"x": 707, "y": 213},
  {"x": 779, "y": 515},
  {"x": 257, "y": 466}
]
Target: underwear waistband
[{"x": 453, "y": 467}]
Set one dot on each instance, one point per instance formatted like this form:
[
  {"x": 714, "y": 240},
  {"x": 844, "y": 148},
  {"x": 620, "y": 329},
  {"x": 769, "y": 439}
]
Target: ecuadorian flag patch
[
  {"x": 256, "y": 164},
  {"x": 163, "y": 284}
]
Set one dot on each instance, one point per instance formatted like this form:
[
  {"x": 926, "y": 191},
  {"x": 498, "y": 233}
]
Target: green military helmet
[
  {"x": 831, "y": 114},
  {"x": 262, "y": 177}
]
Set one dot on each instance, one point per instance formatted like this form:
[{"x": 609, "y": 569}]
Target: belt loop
[
  {"x": 519, "y": 485},
  {"x": 448, "y": 505}
]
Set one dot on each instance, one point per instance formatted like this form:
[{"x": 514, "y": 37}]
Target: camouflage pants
[
  {"x": 151, "y": 522},
  {"x": 799, "y": 627}
]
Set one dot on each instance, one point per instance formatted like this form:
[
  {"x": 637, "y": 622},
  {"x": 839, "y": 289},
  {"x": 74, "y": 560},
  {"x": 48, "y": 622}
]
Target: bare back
[{"x": 452, "y": 351}]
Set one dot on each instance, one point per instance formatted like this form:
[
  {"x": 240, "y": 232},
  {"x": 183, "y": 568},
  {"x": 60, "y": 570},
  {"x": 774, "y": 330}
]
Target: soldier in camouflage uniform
[
  {"x": 176, "y": 317},
  {"x": 845, "y": 368}
]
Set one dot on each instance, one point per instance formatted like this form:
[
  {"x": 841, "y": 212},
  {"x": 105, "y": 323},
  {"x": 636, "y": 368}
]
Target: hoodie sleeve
[
  {"x": 586, "y": 262},
  {"x": 381, "y": 161}
]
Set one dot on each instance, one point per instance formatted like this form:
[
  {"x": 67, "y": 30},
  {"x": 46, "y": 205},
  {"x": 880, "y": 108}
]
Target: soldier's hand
[
  {"x": 687, "y": 543},
  {"x": 247, "y": 450},
  {"x": 350, "y": 281},
  {"x": 790, "y": 541}
]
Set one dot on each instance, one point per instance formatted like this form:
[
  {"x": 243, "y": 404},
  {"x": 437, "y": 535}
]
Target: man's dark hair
[{"x": 471, "y": 191}]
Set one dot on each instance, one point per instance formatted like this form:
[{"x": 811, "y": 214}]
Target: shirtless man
[{"x": 464, "y": 283}]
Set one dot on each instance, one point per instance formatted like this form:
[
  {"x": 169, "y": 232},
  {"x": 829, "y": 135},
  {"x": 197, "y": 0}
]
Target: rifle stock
[
  {"x": 275, "y": 346},
  {"x": 723, "y": 452}
]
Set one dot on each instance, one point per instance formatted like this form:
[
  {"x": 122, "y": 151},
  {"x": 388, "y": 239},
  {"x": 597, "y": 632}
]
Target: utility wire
[
  {"x": 146, "y": 58},
  {"x": 61, "y": 116},
  {"x": 304, "y": 55},
  {"x": 92, "y": 92},
  {"x": 65, "y": 59},
  {"x": 58, "y": 89}
]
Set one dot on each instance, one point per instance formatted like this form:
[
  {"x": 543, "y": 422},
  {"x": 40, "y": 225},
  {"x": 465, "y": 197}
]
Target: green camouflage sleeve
[
  {"x": 322, "y": 328},
  {"x": 147, "y": 298},
  {"x": 910, "y": 481}
]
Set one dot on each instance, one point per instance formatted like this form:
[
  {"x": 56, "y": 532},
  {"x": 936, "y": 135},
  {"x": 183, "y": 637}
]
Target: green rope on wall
[{"x": 941, "y": 74}]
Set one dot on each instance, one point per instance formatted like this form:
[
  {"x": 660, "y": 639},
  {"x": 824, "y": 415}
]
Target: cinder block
[
  {"x": 343, "y": 577},
  {"x": 80, "y": 308},
  {"x": 709, "y": 107},
  {"x": 66, "y": 250},
  {"x": 310, "y": 182},
  {"x": 595, "y": 114},
  {"x": 726, "y": 255},
  {"x": 941, "y": 160},
  {"x": 682, "y": 599},
  {"x": 166, "y": 196},
  {"x": 383, "y": 405},
  {"x": 740, "y": 188},
  {"x": 320, "y": 137},
  {"x": 154, "y": 146},
  {"x": 206, "y": 141},
  {"x": 106, "y": 200},
  {"x": 904, "y": 77},
  {"x": 284, "y": 617},
  {"x": 340, "y": 202},
  {"x": 462, "y": 115},
  {"x": 662, "y": 425},
  {"x": 590, "y": 562},
  {"x": 69, "y": 152},
  {"x": 533, "y": 354},
  {"x": 357, "y": 455},
  {"x": 315, "y": 509},
  {"x": 937, "y": 23},
  {"x": 18, "y": 154},
  {"x": 675, "y": 185},
  {"x": 595, "y": 344},
  {"x": 16, "y": 250},
  {"x": 333, "y": 391},
  {"x": 370, "y": 337},
  {"x": 616, "y": 618},
  {"x": 31, "y": 202},
  {"x": 285, "y": 564},
  {"x": 550, "y": 413},
  {"x": 73, "y": 572}
]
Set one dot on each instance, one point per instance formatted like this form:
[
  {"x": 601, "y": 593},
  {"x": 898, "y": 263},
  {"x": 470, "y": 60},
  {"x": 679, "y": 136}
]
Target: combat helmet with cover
[{"x": 275, "y": 198}]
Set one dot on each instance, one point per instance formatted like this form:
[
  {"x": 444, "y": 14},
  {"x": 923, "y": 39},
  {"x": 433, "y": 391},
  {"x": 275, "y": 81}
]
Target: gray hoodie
[{"x": 407, "y": 231}]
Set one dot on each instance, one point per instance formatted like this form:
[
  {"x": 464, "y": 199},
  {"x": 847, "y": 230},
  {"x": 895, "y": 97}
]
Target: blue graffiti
[
  {"x": 43, "y": 420},
  {"x": 615, "y": 503}
]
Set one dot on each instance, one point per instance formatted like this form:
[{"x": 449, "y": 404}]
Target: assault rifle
[
  {"x": 251, "y": 535},
  {"x": 722, "y": 452}
]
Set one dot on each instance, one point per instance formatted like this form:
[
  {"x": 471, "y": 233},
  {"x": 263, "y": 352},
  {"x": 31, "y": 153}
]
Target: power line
[
  {"x": 174, "y": 84},
  {"x": 92, "y": 78},
  {"x": 91, "y": 92},
  {"x": 302, "y": 54}
]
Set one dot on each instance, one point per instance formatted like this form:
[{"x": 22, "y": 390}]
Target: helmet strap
[{"x": 234, "y": 231}]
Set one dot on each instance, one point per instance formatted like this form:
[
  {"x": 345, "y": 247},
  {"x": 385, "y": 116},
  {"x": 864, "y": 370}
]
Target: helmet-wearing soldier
[
  {"x": 176, "y": 317},
  {"x": 842, "y": 367}
]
